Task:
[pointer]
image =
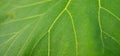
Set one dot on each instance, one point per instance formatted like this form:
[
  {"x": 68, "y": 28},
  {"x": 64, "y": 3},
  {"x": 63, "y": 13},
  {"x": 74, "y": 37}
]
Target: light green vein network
[{"x": 15, "y": 35}]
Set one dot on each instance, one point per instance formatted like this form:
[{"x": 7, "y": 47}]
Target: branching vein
[
  {"x": 100, "y": 25},
  {"x": 56, "y": 19},
  {"x": 74, "y": 29}
]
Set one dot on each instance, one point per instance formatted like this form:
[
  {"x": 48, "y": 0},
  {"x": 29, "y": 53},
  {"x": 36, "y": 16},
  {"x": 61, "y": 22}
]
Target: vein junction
[
  {"x": 100, "y": 25},
  {"x": 73, "y": 24},
  {"x": 52, "y": 25}
]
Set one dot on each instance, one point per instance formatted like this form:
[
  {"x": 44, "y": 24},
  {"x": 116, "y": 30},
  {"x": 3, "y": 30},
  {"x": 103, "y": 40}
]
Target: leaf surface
[{"x": 59, "y": 28}]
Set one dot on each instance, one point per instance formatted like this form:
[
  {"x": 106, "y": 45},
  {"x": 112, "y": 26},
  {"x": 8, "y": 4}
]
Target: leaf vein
[
  {"x": 113, "y": 38},
  {"x": 75, "y": 32},
  {"x": 15, "y": 39},
  {"x": 118, "y": 18},
  {"x": 100, "y": 25},
  {"x": 26, "y": 18},
  {"x": 29, "y": 5},
  {"x": 23, "y": 46},
  {"x": 56, "y": 19}
]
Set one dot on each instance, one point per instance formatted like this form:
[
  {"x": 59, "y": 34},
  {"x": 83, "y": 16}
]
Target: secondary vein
[
  {"x": 56, "y": 19},
  {"x": 118, "y": 18},
  {"x": 74, "y": 29},
  {"x": 15, "y": 39},
  {"x": 100, "y": 25},
  {"x": 113, "y": 38},
  {"x": 29, "y": 5}
]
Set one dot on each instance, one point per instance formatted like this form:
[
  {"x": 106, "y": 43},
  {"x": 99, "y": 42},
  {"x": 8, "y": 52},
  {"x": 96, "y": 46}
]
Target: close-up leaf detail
[{"x": 59, "y": 27}]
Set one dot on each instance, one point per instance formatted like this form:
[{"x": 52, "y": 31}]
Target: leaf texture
[{"x": 59, "y": 28}]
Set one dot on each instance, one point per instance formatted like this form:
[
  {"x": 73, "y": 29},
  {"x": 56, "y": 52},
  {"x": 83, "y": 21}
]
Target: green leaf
[{"x": 59, "y": 27}]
